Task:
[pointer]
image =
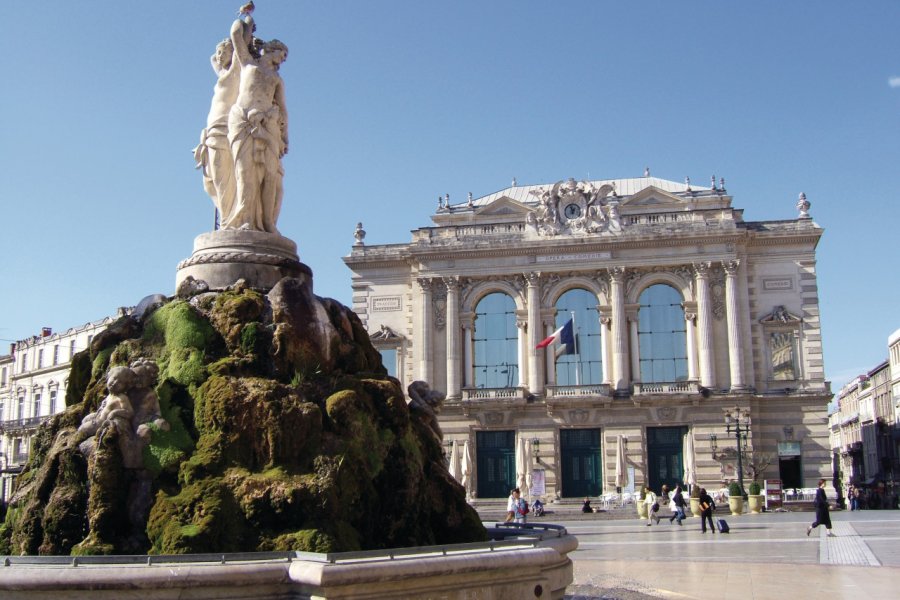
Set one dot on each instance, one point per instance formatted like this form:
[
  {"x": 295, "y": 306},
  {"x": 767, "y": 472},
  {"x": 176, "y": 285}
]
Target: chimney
[{"x": 46, "y": 331}]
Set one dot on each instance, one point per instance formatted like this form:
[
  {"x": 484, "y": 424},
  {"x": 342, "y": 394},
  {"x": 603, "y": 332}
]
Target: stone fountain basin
[{"x": 529, "y": 561}]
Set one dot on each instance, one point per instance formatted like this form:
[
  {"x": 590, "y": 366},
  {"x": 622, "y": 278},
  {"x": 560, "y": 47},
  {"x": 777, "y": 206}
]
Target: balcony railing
[
  {"x": 666, "y": 387},
  {"x": 469, "y": 394},
  {"x": 22, "y": 424},
  {"x": 578, "y": 391}
]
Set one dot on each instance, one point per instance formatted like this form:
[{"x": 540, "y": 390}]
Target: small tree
[{"x": 756, "y": 463}]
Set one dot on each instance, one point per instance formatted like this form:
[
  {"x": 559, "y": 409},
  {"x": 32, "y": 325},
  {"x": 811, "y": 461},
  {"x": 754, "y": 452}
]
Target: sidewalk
[
  {"x": 727, "y": 581},
  {"x": 765, "y": 556}
]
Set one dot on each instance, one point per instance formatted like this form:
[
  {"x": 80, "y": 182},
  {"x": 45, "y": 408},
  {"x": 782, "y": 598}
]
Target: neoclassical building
[
  {"x": 681, "y": 312},
  {"x": 33, "y": 380}
]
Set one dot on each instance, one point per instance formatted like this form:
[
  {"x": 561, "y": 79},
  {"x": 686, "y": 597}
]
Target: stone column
[
  {"x": 704, "y": 325},
  {"x": 634, "y": 345},
  {"x": 604, "y": 346},
  {"x": 533, "y": 297},
  {"x": 690, "y": 317},
  {"x": 466, "y": 324},
  {"x": 621, "y": 379},
  {"x": 521, "y": 328},
  {"x": 733, "y": 316},
  {"x": 453, "y": 346},
  {"x": 426, "y": 323},
  {"x": 549, "y": 356}
]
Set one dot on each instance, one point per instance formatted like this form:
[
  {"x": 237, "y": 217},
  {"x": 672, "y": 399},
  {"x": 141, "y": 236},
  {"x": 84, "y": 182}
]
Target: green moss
[
  {"x": 100, "y": 363},
  {"x": 185, "y": 337},
  {"x": 168, "y": 449},
  {"x": 79, "y": 378}
]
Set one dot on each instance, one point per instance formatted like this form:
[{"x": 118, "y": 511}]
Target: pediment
[
  {"x": 503, "y": 206},
  {"x": 385, "y": 334},
  {"x": 780, "y": 316},
  {"x": 653, "y": 196}
]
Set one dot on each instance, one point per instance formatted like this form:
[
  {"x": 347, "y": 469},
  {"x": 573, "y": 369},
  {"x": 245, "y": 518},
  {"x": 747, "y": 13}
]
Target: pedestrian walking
[
  {"x": 822, "y": 515},
  {"x": 707, "y": 506},
  {"x": 678, "y": 501},
  {"x": 652, "y": 503}
]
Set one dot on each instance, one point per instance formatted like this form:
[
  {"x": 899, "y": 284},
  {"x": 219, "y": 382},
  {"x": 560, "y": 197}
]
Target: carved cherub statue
[
  {"x": 144, "y": 399},
  {"x": 116, "y": 407}
]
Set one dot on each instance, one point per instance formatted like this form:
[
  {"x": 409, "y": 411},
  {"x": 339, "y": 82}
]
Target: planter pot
[
  {"x": 695, "y": 507},
  {"x": 736, "y": 504},
  {"x": 642, "y": 509},
  {"x": 755, "y": 504}
]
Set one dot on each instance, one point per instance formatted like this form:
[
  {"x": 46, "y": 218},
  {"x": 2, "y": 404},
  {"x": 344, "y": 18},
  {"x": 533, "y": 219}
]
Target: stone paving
[{"x": 764, "y": 556}]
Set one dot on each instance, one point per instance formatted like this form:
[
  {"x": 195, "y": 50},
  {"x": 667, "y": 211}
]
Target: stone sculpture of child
[{"x": 116, "y": 407}]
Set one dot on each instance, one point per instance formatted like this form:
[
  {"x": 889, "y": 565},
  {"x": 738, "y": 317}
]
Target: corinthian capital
[
  {"x": 424, "y": 283},
  {"x": 617, "y": 274},
  {"x": 731, "y": 267},
  {"x": 702, "y": 269}
]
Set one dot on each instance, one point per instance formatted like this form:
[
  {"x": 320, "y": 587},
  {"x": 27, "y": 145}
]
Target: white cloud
[{"x": 894, "y": 81}]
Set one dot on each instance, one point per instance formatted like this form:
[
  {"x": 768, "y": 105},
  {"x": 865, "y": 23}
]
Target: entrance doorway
[
  {"x": 790, "y": 472},
  {"x": 665, "y": 463},
  {"x": 496, "y": 462},
  {"x": 580, "y": 455}
]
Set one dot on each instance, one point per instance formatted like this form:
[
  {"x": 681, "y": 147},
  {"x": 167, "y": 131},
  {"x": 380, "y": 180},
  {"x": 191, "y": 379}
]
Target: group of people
[
  {"x": 517, "y": 508},
  {"x": 676, "y": 504},
  {"x": 875, "y": 498}
]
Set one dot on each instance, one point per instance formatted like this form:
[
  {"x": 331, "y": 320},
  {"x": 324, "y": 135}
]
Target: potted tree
[
  {"x": 754, "y": 498},
  {"x": 695, "y": 500},
  {"x": 735, "y": 499}
]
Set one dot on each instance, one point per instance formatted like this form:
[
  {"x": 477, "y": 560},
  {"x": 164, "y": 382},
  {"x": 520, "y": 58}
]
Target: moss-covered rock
[{"x": 284, "y": 433}]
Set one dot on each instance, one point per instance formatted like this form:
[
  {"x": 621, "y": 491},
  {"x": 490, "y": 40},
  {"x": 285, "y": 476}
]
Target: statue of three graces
[{"x": 246, "y": 131}]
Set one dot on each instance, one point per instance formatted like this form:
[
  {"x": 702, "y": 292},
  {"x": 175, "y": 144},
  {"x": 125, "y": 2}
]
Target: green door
[
  {"x": 580, "y": 454},
  {"x": 665, "y": 447},
  {"x": 496, "y": 462}
]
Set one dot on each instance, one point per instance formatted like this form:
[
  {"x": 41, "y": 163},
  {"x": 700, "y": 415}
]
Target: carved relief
[
  {"x": 666, "y": 413},
  {"x": 574, "y": 208},
  {"x": 493, "y": 418},
  {"x": 578, "y": 417},
  {"x": 439, "y": 304},
  {"x": 717, "y": 292}
]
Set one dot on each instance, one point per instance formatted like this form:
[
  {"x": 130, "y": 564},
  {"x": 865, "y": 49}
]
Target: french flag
[{"x": 565, "y": 336}]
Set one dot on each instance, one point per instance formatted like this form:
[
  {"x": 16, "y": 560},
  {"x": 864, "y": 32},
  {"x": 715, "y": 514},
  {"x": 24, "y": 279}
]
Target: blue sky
[{"x": 393, "y": 103}]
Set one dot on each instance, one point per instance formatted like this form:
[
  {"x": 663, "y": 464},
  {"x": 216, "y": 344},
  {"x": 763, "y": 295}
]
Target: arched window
[
  {"x": 496, "y": 342},
  {"x": 584, "y": 366},
  {"x": 662, "y": 335}
]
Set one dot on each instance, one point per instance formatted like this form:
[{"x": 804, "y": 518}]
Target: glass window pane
[
  {"x": 495, "y": 340},
  {"x": 584, "y": 366},
  {"x": 662, "y": 335}
]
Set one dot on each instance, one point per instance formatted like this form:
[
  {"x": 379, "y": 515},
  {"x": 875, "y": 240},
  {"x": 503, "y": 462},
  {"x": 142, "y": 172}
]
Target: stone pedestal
[{"x": 222, "y": 257}]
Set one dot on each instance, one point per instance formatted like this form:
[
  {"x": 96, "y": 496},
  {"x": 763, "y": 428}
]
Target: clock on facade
[{"x": 572, "y": 211}]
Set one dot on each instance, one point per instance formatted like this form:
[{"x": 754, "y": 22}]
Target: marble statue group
[{"x": 246, "y": 135}]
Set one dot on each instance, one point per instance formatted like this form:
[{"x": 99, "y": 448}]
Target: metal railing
[
  {"x": 524, "y": 536},
  {"x": 27, "y": 423}
]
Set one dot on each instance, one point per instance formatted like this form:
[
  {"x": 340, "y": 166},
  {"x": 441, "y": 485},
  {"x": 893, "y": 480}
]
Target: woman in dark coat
[
  {"x": 707, "y": 506},
  {"x": 821, "y": 504}
]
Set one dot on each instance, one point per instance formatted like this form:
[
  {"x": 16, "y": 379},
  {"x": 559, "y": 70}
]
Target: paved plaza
[{"x": 765, "y": 556}]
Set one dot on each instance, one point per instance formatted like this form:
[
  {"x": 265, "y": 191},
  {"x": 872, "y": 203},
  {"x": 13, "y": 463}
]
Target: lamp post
[{"x": 737, "y": 422}]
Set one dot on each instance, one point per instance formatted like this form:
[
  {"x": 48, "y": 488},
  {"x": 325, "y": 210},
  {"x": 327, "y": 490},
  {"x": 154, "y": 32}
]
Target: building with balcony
[
  {"x": 33, "y": 379},
  {"x": 664, "y": 309},
  {"x": 865, "y": 429}
]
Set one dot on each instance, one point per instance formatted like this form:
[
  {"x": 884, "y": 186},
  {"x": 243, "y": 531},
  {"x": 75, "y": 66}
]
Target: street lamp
[{"x": 737, "y": 422}]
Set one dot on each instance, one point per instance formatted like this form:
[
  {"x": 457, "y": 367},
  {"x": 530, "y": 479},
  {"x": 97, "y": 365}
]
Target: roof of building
[{"x": 623, "y": 187}]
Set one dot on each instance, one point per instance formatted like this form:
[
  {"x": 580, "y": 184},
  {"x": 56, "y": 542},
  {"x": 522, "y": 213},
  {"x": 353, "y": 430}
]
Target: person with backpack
[{"x": 707, "y": 506}]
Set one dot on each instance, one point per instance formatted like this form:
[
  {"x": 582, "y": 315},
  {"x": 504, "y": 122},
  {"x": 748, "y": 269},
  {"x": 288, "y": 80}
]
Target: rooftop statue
[{"x": 246, "y": 134}]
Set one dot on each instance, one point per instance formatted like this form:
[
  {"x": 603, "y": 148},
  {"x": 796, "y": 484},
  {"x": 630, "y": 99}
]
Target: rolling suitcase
[{"x": 723, "y": 525}]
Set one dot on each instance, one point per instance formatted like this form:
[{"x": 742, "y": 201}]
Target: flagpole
[{"x": 575, "y": 343}]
